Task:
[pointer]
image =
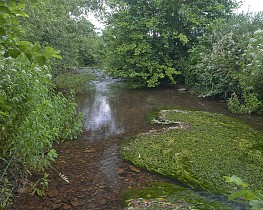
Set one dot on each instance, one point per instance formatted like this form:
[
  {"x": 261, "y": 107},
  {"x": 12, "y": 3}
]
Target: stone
[
  {"x": 75, "y": 203},
  {"x": 134, "y": 169},
  {"x": 52, "y": 193},
  {"x": 102, "y": 201},
  {"x": 66, "y": 206},
  {"x": 120, "y": 171},
  {"x": 55, "y": 206},
  {"x": 89, "y": 150},
  {"x": 91, "y": 206}
]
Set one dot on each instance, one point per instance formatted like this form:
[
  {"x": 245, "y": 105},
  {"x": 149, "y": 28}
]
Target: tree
[
  {"x": 227, "y": 63},
  {"x": 62, "y": 25},
  {"x": 148, "y": 41}
]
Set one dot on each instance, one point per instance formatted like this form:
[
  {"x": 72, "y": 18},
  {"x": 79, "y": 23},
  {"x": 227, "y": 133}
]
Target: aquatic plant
[
  {"x": 210, "y": 147},
  {"x": 255, "y": 198},
  {"x": 160, "y": 195}
]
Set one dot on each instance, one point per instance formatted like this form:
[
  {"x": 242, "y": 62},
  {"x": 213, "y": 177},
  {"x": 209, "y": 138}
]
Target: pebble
[
  {"x": 66, "y": 206},
  {"x": 52, "y": 193},
  {"x": 91, "y": 206},
  {"x": 134, "y": 169},
  {"x": 55, "y": 206},
  {"x": 75, "y": 203},
  {"x": 120, "y": 171},
  {"x": 102, "y": 201}
]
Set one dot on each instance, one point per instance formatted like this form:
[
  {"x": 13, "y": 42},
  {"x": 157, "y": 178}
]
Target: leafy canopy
[{"x": 148, "y": 41}]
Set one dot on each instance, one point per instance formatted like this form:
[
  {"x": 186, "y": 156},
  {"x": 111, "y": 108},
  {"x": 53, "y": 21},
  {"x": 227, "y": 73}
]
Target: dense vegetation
[
  {"x": 32, "y": 115},
  {"x": 199, "y": 149},
  {"x": 62, "y": 25},
  {"x": 148, "y": 41},
  {"x": 227, "y": 63},
  {"x": 202, "y": 45}
]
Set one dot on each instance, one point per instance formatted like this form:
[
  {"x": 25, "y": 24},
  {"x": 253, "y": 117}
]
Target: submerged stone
[{"x": 171, "y": 196}]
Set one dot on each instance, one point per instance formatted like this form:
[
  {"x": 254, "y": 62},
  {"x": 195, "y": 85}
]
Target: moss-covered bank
[
  {"x": 199, "y": 149},
  {"x": 169, "y": 196}
]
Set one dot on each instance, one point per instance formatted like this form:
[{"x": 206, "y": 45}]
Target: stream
[{"x": 97, "y": 175}]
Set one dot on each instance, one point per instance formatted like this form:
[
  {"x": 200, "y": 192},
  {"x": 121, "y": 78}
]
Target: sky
[
  {"x": 248, "y": 6},
  {"x": 251, "y": 6}
]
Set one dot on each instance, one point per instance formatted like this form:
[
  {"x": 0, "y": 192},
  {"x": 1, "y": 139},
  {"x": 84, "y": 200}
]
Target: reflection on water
[
  {"x": 112, "y": 109},
  {"x": 100, "y": 116}
]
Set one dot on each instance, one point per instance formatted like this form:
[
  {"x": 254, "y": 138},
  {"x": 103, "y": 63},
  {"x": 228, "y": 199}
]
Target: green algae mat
[
  {"x": 170, "y": 196},
  {"x": 199, "y": 149}
]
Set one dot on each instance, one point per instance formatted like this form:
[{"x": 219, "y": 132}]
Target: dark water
[
  {"x": 112, "y": 109},
  {"x": 93, "y": 165}
]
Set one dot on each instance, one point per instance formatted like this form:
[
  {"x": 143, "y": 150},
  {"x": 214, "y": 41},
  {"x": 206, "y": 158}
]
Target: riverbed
[{"x": 97, "y": 175}]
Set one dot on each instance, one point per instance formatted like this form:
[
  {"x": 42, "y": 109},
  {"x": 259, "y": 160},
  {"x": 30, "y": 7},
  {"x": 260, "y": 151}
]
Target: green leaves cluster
[
  {"x": 148, "y": 41},
  {"x": 32, "y": 115},
  {"x": 227, "y": 63},
  {"x": 11, "y": 31},
  {"x": 255, "y": 198},
  {"x": 61, "y": 24}
]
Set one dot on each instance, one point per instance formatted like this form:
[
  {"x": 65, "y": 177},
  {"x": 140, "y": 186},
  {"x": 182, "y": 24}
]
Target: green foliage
[
  {"x": 5, "y": 192},
  {"x": 227, "y": 63},
  {"x": 11, "y": 31},
  {"x": 40, "y": 186},
  {"x": 59, "y": 24},
  {"x": 148, "y": 41},
  {"x": 32, "y": 116},
  {"x": 169, "y": 196},
  {"x": 76, "y": 82},
  {"x": 250, "y": 104},
  {"x": 199, "y": 148},
  {"x": 255, "y": 198},
  {"x": 38, "y": 116}
]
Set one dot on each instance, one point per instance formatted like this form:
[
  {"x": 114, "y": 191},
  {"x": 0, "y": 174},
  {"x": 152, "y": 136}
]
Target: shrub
[{"x": 228, "y": 60}]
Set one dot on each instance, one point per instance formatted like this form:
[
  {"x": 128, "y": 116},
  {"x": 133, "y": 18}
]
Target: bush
[
  {"x": 228, "y": 60},
  {"x": 33, "y": 117},
  {"x": 37, "y": 116},
  {"x": 76, "y": 82}
]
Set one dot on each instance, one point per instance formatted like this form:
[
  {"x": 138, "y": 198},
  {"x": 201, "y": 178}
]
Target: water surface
[{"x": 93, "y": 165}]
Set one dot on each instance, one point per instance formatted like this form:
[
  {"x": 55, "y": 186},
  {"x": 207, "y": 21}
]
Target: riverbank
[
  {"x": 93, "y": 165},
  {"x": 199, "y": 149}
]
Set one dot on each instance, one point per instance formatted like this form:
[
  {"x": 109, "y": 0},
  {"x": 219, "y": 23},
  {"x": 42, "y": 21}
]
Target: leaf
[
  {"x": 4, "y": 9},
  {"x": 246, "y": 194},
  {"x": 235, "y": 179},
  {"x": 37, "y": 49},
  {"x": 2, "y": 32},
  {"x": 14, "y": 52},
  {"x": 20, "y": 13},
  {"x": 24, "y": 43},
  {"x": 63, "y": 177},
  {"x": 57, "y": 54},
  {"x": 183, "y": 38},
  {"x": 256, "y": 204}
]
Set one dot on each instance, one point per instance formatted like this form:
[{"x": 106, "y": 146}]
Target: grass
[{"x": 199, "y": 149}]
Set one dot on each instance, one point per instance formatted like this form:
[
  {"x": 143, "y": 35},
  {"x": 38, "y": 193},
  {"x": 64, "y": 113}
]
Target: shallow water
[{"x": 93, "y": 165}]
